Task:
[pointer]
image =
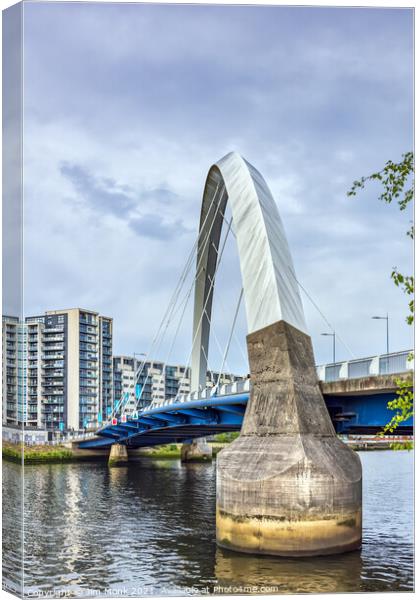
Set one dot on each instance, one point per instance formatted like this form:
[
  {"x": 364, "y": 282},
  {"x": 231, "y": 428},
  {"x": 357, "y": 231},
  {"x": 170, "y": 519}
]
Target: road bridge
[
  {"x": 287, "y": 485},
  {"x": 356, "y": 405}
]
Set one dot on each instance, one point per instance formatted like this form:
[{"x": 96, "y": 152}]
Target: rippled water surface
[{"x": 149, "y": 528}]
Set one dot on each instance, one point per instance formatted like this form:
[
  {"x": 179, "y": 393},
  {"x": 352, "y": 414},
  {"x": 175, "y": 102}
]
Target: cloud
[
  {"x": 102, "y": 194},
  {"x": 136, "y": 102},
  {"x": 153, "y": 226}
]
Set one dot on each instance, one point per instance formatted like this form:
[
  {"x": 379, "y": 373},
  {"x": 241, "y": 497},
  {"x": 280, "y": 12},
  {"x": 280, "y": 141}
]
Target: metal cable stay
[
  {"x": 307, "y": 294},
  {"x": 224, "y": 353},
  {"x": 172, "y": 306},
  {"x": 312, "y": 301},
  {"x": 219, "y": 254}
]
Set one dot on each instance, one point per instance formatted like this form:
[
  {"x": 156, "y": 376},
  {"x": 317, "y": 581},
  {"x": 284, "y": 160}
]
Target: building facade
[
  {"x": 57, "y": 370},
  {"x": 155, "y": 381},
  {"x": 59, "y": 373},
  {"x": 10, "y": 339}
]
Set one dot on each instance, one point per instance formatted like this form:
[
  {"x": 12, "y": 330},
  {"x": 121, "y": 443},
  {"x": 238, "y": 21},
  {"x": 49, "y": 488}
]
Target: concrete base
[
  {"x": 287, "y": 486},
  {"x": 118, "y": 455},
  {"x": 197, "y": 451}
]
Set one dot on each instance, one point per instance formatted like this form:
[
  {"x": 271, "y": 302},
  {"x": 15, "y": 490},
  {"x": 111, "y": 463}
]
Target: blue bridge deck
[{"x": 183, "y": 421}]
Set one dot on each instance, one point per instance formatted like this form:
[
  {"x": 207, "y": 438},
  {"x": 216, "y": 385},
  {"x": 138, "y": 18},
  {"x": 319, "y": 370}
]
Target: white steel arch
[{"x": 270, "y": 288}]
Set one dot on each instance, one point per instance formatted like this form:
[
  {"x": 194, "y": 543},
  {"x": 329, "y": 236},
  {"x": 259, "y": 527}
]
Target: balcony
[
  {"x": 51, "y": 392},
  {"x": 52, "y": 347},
  {"x": 53, "y": 375},
  {"x": 58, "y": 364},
  {"x": 53, "y": 338}
]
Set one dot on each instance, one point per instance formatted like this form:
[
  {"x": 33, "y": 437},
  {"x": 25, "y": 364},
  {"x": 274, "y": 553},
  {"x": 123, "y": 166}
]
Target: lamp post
[
  {"x": 333, "y": 337},
  {"x": 387, "y": 330}
]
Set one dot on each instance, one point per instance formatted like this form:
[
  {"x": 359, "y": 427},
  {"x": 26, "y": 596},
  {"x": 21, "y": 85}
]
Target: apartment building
[
  {"x": 10, "y": 369},
  {"x": 156, "y": 381},
  {"x": 125, "y": 369},
  {"x": 63, "y": 362}
]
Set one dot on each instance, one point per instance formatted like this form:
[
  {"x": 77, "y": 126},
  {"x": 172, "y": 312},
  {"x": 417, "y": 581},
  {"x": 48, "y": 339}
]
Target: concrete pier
[
  {"x": 197, "y": 451},
  {"x": 118, "y": 455},
  {"x": 287, "y": 486}
]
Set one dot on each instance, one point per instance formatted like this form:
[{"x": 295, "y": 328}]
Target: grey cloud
[
  {"x": 153, "y": 226},
  {"x": 167, "y": 90},
  {"x": 101, "y": 194},
  {"x": 162, "y": 195}
]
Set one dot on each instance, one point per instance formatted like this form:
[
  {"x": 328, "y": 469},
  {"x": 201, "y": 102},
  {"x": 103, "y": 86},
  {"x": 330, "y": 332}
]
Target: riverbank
[
  {"x": 60, "y": 454},
  {"x": 36, "y": 454},
  {"x": 218, "y": 442}
]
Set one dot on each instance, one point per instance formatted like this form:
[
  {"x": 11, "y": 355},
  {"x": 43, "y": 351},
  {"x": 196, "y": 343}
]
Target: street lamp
[
  {"x": 333, "y": 337},
  {"x": 387, "y": 330}
]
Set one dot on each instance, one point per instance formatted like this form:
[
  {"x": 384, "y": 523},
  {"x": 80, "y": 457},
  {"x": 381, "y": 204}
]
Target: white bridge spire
[{"x": 270, "y": 288}]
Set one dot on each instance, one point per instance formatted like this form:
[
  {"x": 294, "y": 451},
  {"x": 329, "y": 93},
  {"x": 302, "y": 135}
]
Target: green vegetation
[
  {"x": 403, "y": 405},
  {"x": 397, "y": 181},
  {"x": 174, "y": 450},
  {"x": 36, "y": 454},
  {"x": 221, "y": 440},
  {"x": 164, "y": 451},
  {"x": 58, "y": 454},
  {"x": 226, "y": 438}
]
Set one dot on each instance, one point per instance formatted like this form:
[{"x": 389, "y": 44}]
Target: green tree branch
[{"x": 397, "y": 181}]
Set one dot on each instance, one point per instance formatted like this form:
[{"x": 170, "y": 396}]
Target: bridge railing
[
  {"x": 238, "y": 387},
  {"x": 383, "y": 364}
]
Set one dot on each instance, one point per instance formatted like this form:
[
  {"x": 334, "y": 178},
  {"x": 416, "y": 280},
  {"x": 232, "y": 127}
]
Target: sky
[{"x": 126, "y": 107}]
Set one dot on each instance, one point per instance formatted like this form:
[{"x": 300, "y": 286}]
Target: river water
[{"x": 149, "y": 529}]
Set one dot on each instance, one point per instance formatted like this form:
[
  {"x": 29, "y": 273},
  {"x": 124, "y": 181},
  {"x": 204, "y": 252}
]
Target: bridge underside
[
  {"x": 351, "y": 413},
  {"x": 175, "y": 423}
]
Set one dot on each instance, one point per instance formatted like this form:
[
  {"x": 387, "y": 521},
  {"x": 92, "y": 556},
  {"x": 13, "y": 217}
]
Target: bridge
[
  {"x": 357, "y": 404},
  {"x": 287, "y": 485}
]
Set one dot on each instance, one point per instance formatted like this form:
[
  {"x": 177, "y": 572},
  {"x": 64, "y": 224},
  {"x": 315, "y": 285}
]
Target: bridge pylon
[
  {"x": 196, "y": 451},
  {"x": 118, "y": 455},
  {"x": 287, "y": 486}
]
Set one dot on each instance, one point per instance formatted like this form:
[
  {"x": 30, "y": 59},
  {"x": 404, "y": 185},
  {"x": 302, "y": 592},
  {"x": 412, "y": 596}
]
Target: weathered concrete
[
  {"x": 364, "y": 385},
  {"x": 287, "y": 486},
  {"x": 197, "y": 451},
  {"x": 87, "y": 454},
  {"x": 118, "y": 455}
]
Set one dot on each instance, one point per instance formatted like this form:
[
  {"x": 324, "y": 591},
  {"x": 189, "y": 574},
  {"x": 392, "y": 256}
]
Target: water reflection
[
  {"x": 12, "y": 538},
  {"x": 288, "y": 575},
  {"x": 149, "y": 528}
]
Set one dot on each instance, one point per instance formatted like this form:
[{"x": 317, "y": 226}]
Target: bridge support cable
[
  {"x": 219, "y": 255},
  {"x": 219, "y": 346},
  {"x": 235, "y": 337},
  {"x": 172, "y": 303},
  {"x": 211, "y": 371},
  {"x": 230, "y": 335},
  {"x": 312, "y": 301},
  {"x": 187, "y": 297}
]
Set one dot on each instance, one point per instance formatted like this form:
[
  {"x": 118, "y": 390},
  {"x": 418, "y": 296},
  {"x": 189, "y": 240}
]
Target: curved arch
[{"x": 270, "y": 289}]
